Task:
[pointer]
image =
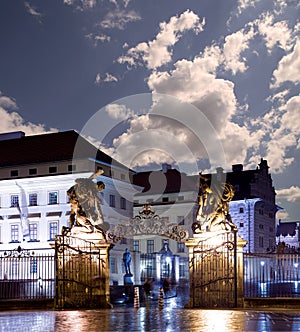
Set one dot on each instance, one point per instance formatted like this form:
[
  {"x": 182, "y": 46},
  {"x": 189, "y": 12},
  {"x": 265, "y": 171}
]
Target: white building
[{"x": 35, "y": 174}]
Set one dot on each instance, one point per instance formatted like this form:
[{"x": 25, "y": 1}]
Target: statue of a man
[
  {"x": 85, "y": 204},
  {"x": 127, "y": 261}
]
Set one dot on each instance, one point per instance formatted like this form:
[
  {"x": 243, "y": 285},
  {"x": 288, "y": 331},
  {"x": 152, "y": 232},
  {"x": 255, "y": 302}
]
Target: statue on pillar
[
  {"x": 127, "y": 261},
  {"x": 213, "y": 211},
  {"x": 86, "y": 215}
]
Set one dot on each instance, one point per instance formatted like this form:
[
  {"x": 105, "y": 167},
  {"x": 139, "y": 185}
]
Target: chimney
[{"x": 237, "y": 168}]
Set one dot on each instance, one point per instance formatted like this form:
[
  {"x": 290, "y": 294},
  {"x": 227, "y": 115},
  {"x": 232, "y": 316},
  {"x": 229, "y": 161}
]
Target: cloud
[
  {"x": 116, "y": 111},
  {"x": 288, "y": 67},
  {"x": 32, "y": 10},
  {"x": 119, "y": 18},
  {"x": 12, "y": 120},
  {"x": 284, "y": 131},
  {"x": 108, "y": 78},
  {"x": 244, "y": 4},
  {"x": 234, "y": 45},
  {"x": 96, "y": 38},
  {"x": 291, "y": 194},
  {"x": 81, "y": 4},
  {"x": 274, "y": 33},
  {"x": 158, "y": 51}
]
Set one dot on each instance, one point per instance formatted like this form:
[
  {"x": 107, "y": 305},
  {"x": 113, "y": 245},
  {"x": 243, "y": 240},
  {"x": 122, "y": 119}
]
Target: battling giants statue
[
  {"x": 86, "y": 215},
  {"x": 213, "y": 211}
]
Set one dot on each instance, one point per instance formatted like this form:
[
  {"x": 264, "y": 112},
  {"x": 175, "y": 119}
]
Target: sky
[{"x": 196, "y": 83}]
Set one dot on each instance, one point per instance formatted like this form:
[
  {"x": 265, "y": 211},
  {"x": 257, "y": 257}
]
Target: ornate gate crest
[{"x": 147, "y": 222}]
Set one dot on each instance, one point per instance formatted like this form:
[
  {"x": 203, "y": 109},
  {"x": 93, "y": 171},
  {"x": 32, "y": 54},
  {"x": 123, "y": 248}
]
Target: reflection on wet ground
[{"x": 170, "y": 318}]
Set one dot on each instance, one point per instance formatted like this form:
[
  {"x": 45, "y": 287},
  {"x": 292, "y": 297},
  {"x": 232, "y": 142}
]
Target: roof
[
  {"x": 158, "y": 182},
  {"x": 49, "y": 147},
  {"x": 286, "y": 228}
]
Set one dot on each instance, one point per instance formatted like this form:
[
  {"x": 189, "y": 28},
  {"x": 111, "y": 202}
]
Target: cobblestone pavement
[{"x": 151, "y": 318}]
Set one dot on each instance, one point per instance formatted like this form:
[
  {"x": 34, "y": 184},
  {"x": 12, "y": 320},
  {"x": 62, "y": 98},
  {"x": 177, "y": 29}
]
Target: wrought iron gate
[
  {"x": 81, "y": 274},
  {"x": 214, "y": 271}
]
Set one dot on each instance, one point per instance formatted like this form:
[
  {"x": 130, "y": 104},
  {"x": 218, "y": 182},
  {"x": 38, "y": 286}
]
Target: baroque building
[{"x": 35, "y": 174}]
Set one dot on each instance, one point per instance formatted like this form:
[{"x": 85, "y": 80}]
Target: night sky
[{"x": 198, "y": 84}]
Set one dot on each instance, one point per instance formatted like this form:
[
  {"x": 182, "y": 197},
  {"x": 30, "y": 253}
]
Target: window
[
  {"x": 180, "y": 220},
  {"x": 182, "y": 264},
  {"x": 32, "y": 199},
  {"x": 14, "y": 172},
  {"x": 150, "y": 246},
  {"x": 123, "y": 203},
  {"x": 33, "y": 232},
  {"x": 14, "y": 230},
  {"x": 180, "y": 247},
  {"x": 14, "y": 201},
  {"x": 123, "y": 241},
  {"x": 181, "y": 198},
  {"x": 71, "y": 168},
  {"x": 261, "y": 211},
  {"x": 53, "y": 227},
  {"x": 165, "y": 199},
  {"x": 122, "y": 176},
  {"x": 112, "y": 200},
  {"x": 261, "y": 241},
  {"x": 241, "y": 210},
  {"x": 261, "y": 226},
  {"x": 241, "y": 224},
  {"x": 33, "y": 265},
  {"x": 52, "y": 169},
  {"x": 112, "y": 264},
  {"x": 53, "y": 197},
  {"x": 32, "y": 171},
  {"x": 136, "y": 245},
  {"x": 150, "y": 200}
]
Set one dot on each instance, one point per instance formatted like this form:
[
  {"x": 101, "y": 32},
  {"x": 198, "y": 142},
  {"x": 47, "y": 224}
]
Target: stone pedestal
[{"x": 128, "y": 284}]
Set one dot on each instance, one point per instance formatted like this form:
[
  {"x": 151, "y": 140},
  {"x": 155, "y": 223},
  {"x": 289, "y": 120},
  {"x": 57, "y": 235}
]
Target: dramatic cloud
[
  {"x": 157, "y": 52},
  {"x": 284, "y": 135},
  {"x": 12, "y": 121},
  {"x": 274, "y": 33},
  {"x": 116, "y": 111},
  {"x": 234, "y": 45},
  {"x": 291, "y": 194},
  {"x": 289, "y": 67}
]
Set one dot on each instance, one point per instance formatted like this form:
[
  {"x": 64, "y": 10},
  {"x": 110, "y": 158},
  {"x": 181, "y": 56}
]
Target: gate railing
[
  {"x": 81, "y": 273},
  {"x": 214, "y": 273},
  {"x": 26, "y": 275},
  {"x": 271, "y": 275}
]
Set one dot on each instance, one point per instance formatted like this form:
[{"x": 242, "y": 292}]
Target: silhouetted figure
[
  {"x": 147, "y": 287},
  {"x": 127, "y": 261}
]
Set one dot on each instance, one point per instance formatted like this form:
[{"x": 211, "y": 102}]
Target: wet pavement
[{"x": 150, "y": 318}]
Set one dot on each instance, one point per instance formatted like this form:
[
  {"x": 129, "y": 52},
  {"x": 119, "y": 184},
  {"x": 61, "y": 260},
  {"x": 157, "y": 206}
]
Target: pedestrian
[
  {"x": 166, "y": 285},
  {"x": 147, "y": 287}
]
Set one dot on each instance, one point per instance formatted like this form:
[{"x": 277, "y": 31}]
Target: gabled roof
[{"x": 50, "y": 147}]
